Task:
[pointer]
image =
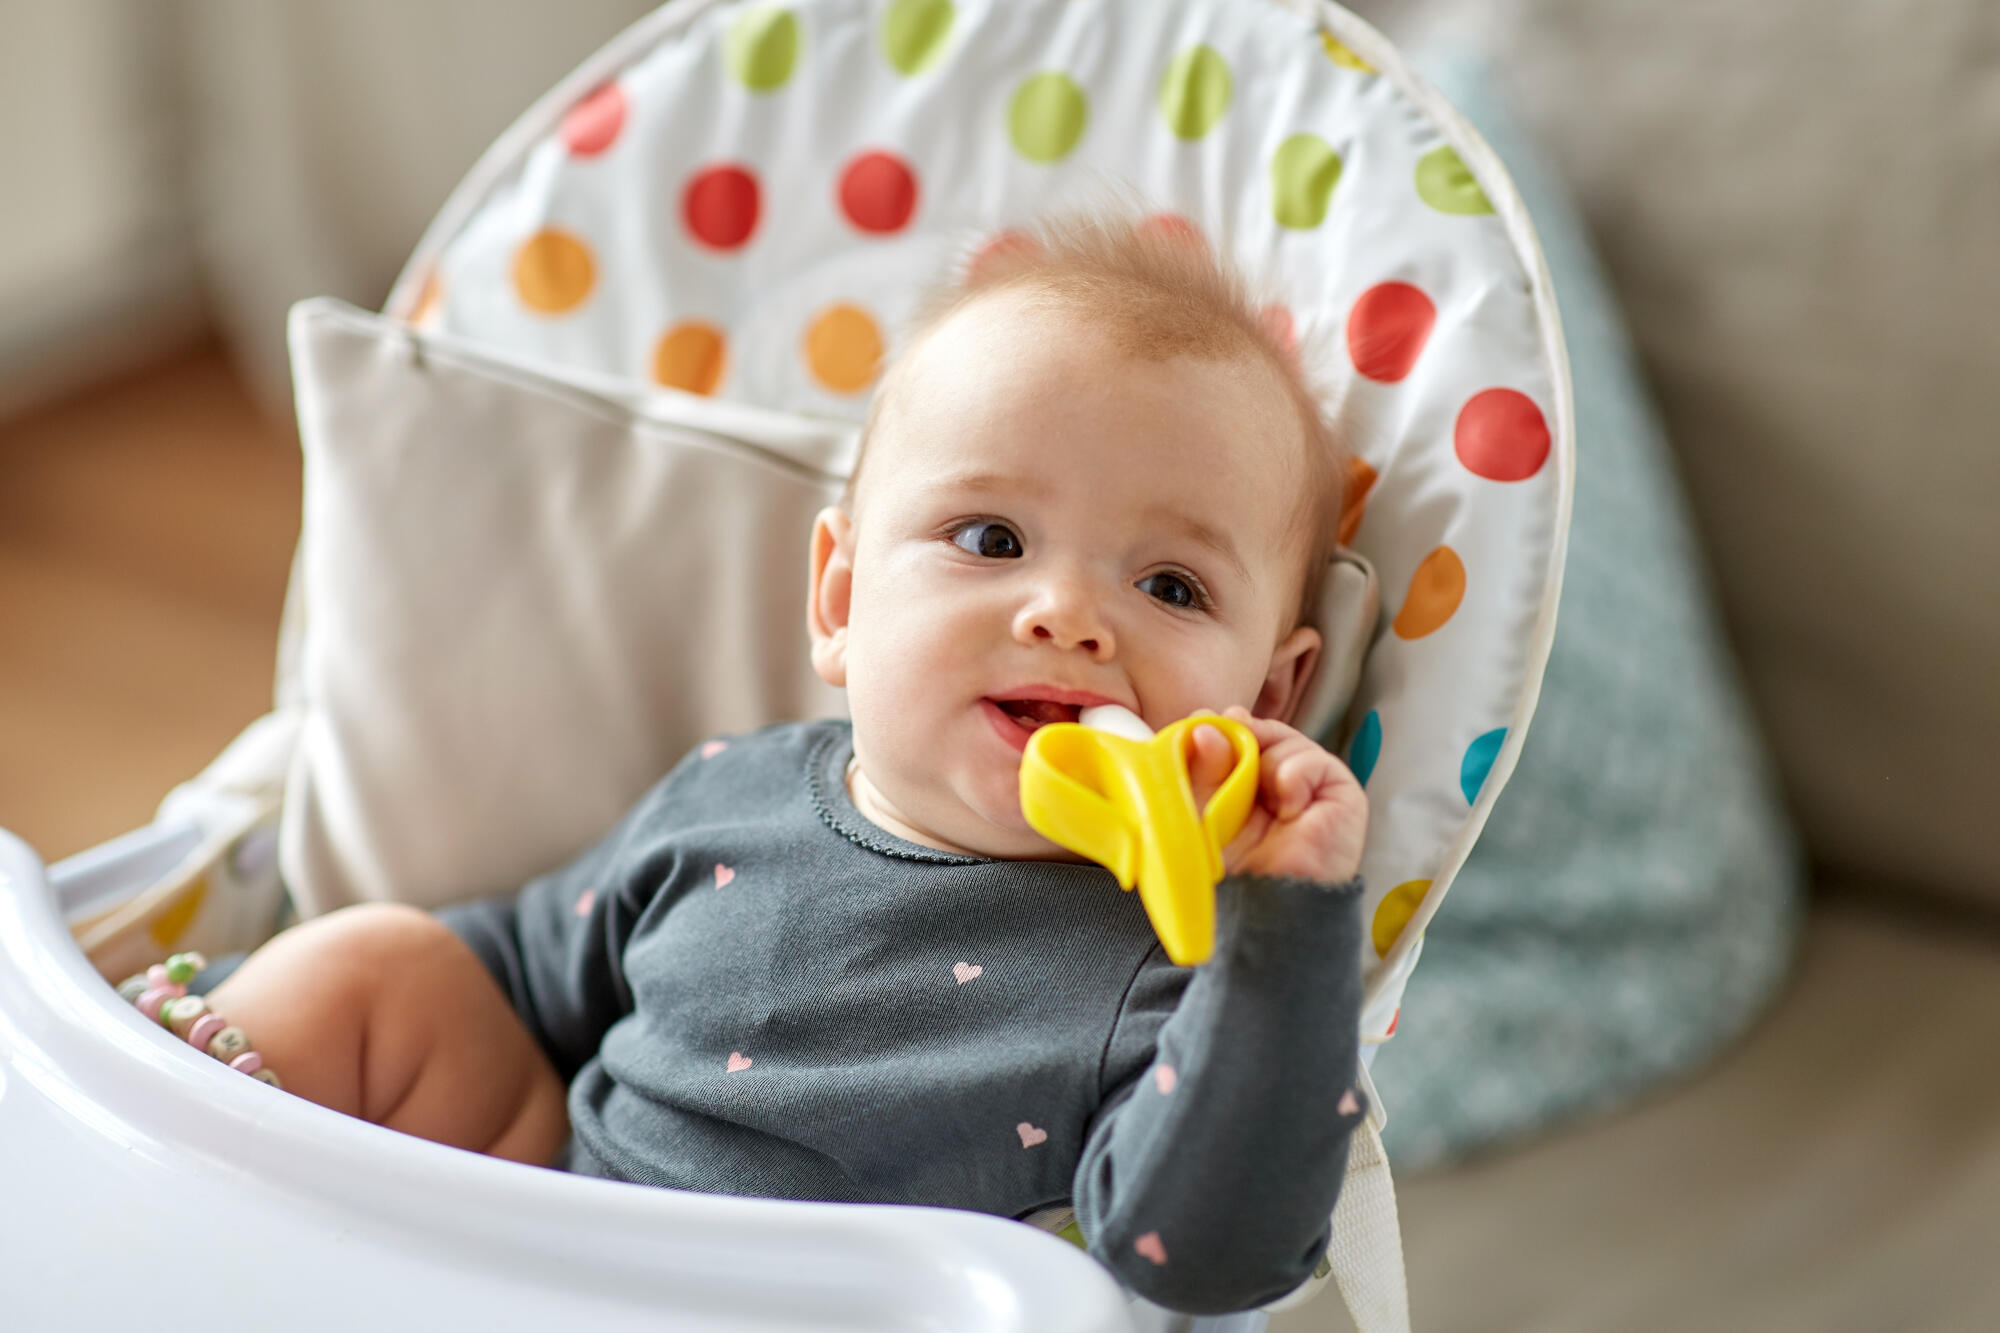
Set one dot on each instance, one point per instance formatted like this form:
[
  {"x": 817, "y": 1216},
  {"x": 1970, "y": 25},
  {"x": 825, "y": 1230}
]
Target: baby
[{"x": 830, "y": 960}]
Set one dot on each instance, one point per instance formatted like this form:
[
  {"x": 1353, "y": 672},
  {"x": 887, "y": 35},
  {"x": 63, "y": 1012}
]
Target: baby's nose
[{"x": 1066, "y": 616}]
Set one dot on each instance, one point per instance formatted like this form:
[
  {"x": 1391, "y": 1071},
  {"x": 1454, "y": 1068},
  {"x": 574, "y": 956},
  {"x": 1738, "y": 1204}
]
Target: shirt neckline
[{"x": 826, "y": 772}]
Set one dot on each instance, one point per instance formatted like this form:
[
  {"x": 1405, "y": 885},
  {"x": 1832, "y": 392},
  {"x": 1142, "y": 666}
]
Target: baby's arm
[
  {"x": 1210, "y": 1172},
  {"x": 379, "y": 1011}
]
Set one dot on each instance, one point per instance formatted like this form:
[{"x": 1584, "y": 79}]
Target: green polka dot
[
  {"x": 1195, "y": 92},
  {"x": 1342, "y": 54},
  {"x": 1304, "y": 171},
  {"x": 1445, "y": 184},
  {"x": 763, "y": 46},
  {"x": 1047, "y": 116},
  {"x": 915, "y": 32}
]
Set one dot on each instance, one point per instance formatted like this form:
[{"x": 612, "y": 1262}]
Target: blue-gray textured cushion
[{"x": 1632, "y": 903}]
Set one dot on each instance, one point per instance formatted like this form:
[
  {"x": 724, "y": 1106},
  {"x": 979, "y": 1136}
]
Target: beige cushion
[
  {"x": 1797, "y": 205},
  {"x": 511, "y": 587}
]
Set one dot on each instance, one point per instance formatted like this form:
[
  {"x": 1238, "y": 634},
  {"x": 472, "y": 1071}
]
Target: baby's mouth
[{"x": 1033, "y": 714}]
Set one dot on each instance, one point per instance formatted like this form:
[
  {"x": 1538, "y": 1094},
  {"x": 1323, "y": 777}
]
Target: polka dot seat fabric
[{"x": 744, "y": 202}]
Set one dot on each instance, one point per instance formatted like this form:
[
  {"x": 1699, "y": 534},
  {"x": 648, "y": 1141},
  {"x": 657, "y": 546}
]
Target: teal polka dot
[
  {"x": 1366, "y": 748},
  {"x": 1445, "y": 184},
  {"x": 1195, "y": 92},
  {"x": 915, "y": 32},
  {"x": 763, "y": 46},
  {"x": 1478, "y": 763},
  {"x": 1047, "y": 116},
  {"x": 1304, "y": 171}
]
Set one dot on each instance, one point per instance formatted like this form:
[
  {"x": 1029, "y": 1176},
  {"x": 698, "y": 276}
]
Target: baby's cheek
[{"x": 1192, "y": 683}]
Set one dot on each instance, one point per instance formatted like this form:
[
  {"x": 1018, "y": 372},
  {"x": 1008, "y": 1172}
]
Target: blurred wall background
[
  {"x": 179, "y": 163},
  {"x": 97, "y": 257}
]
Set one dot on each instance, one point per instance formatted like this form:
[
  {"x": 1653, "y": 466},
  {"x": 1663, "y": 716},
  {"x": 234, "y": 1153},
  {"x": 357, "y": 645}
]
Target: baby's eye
[
  {"x": 995, "y": 541},
  {"x": 1174, "y": 590}
]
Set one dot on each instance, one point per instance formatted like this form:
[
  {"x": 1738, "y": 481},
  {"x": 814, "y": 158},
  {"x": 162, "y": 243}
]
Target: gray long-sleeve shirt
[{"x": 752, "y": 989}]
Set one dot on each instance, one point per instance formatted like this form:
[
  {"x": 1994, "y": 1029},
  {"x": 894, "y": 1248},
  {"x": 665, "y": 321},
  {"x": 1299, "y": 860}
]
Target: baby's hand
[{"x": 1310, "y": 818}]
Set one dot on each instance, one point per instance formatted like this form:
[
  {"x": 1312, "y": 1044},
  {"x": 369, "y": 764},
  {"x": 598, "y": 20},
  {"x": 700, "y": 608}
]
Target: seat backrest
[{"x": 744, "y": 200}]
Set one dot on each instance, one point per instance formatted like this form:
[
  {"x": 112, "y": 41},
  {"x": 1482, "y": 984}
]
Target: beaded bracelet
[{"x": 160, "y": 993}]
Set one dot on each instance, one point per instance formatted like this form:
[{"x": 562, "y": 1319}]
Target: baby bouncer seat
[{"x": 556, "y": 507}]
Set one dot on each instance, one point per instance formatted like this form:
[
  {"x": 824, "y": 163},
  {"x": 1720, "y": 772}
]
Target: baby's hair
[{"x": 1159, "y": 290}]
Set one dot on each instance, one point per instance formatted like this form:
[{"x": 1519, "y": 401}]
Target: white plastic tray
[{"x": 142, "y": 1182}]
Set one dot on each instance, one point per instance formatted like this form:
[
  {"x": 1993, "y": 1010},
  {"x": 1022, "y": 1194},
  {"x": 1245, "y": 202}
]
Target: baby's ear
[
  {"x": 1292, "y": 663},
  {"x": 828, "y": 597}
]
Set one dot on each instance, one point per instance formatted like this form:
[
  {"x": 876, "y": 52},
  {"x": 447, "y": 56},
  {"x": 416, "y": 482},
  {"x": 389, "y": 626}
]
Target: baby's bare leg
[{"x": 379, "y": 1011}]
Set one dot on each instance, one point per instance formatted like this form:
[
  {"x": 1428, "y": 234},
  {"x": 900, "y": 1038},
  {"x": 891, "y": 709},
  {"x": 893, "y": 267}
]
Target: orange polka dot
[
  {"x": 168, "y": 927},
  {"x": 1360, "y": 481},
  {"x": 1436, "y": 589},
  {"x": 844, "y": 349},
  {"x": 430, "y": 301},
  {"x": 1393, "y": 913},
  {"x": 553, "y": 271},
  {"x": 691, "y": 355}
]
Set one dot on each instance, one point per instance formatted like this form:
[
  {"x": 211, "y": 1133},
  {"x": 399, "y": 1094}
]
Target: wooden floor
[{"x": 146, "y": 528}]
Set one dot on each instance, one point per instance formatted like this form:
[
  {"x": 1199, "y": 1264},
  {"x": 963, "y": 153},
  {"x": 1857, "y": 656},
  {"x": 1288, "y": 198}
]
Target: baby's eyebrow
[
  {"x": 1213, "y": 538},
  {"x": 1036, "y": 487}
]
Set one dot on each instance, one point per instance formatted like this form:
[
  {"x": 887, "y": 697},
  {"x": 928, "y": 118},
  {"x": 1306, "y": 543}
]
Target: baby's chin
[
  {"x": 964, "y": 826},
  {"x": 1002, "y": 839},
  {"x": 1001, "y": 832}
]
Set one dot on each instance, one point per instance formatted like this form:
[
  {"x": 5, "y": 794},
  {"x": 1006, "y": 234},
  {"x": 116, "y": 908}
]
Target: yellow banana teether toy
[{"x": 1107, "y": 788}]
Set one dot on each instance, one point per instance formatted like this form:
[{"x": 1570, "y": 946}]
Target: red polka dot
[
  {"x": 1501, "y": 436},
  {"x": 720, "y": 206},
  {"x": 1009, "y": 242},
  {"x": 1280, "y": 327},
  {"x": 592, "y": 125},
  {"x": 1387, "y": 328},
  {"x": 878, "y": 192},
  {"x": 1174, "y": 227}
]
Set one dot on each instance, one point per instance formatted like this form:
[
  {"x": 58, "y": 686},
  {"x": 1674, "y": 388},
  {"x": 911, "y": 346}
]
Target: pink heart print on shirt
[
  {"x": 723, "y": 874},
  {"x": 738, "y": 1062},
  {"x": 1030, "y": 1136},
  {"x": 586, "y": 902},
  {"x": 1164, "y": 1078},
  {"x": 1151, "y": 1247},
  {"x": 713, "y": 748},
  {"x": 966, "y": 971},
  {"x": 1349, "y": 1103}
]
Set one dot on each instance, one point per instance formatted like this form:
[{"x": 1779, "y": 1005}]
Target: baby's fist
[{"x": 1310, "y": 817}]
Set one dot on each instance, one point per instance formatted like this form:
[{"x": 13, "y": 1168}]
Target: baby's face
[{"x": 1045, "y": 523}]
